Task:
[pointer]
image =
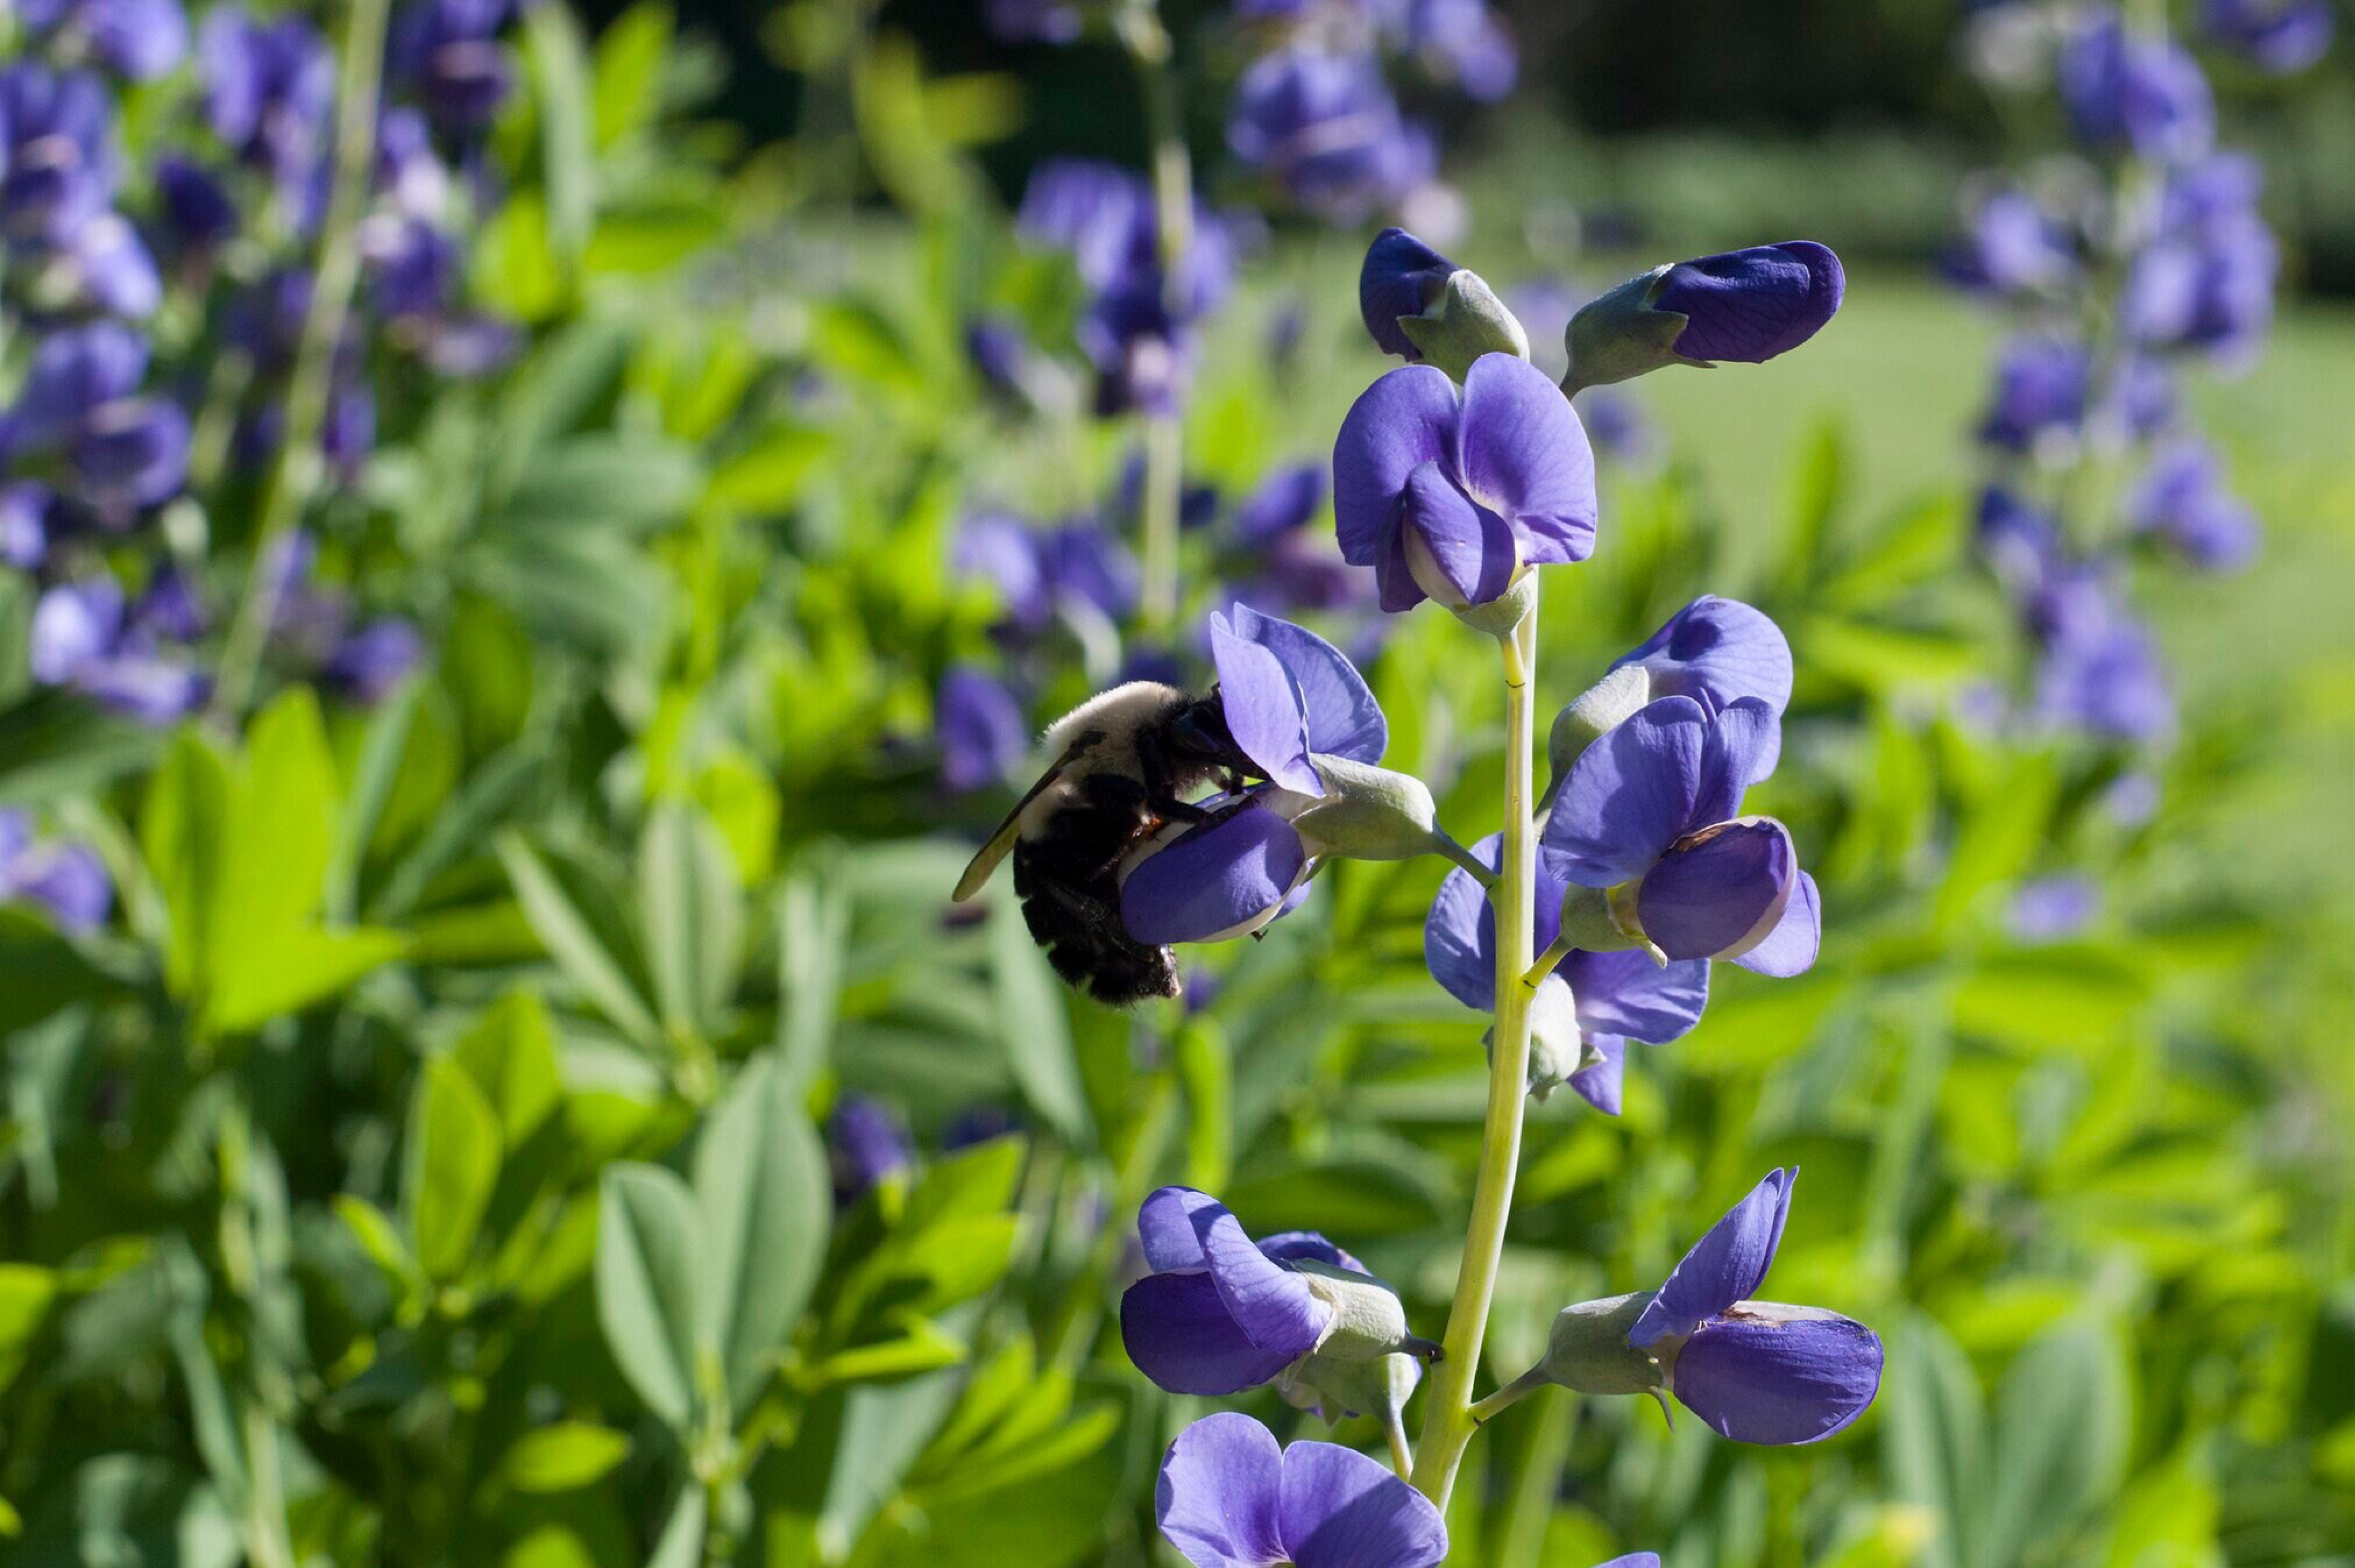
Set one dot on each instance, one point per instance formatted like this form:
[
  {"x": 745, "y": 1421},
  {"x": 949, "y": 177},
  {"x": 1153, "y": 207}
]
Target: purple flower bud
[
  {"x": 1751, "y": 305},
  {"x": 1324, "y": 127},
  {"x": 2125, "y": 88},
  {"x": 980, "y": 729},
  {"x": 367, "y": 665},
  {"x": 2283, "y": 36},
  {"x": 2041, "y": 387},
  {"x": 1230, "y": 1497},
  {"x": 2181, "y": 497},
  {"x": 197, "y": 213},
  {"x": 1401, "y": 277},
  {"x": 1451, "y": 498},
  {"x": 867, "y": 1142}
]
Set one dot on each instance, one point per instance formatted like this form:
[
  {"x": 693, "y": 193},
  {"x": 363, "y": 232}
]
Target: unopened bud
[
  {"x": 1466, "y": 321},
  {"x": 1594, "y": 713},
  {"x": 1368, "y": 1320},
  {"x": 1588, "y": 1349},
  {"x": 1501, "y": 614},
  {"x": 1368, "y": 813},
  {"x": 1619, "y": 336},
  {"x": 1334, "y": 1388}
]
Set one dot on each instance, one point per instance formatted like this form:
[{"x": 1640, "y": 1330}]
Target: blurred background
[{"x": 539, "y": 537}]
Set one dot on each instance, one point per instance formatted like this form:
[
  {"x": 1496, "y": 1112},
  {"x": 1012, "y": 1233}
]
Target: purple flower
[
  {"x": 2126, "y": 88},
  {"x": 138, "y": 39},
  {"x": 447, "y": 53},
  {"x": 1289, "y": 696},
  {"x": 131, "y": 454},
  {"x": 1602, "y": 999},
  {"x": 998, "y": 352},
  {"x": 2181, "y": 498},
  {"x": 1010, "y": 556},
  {"x": 1463, "y": 39},
  {"x": 73, "y": 373},
  {"x": 2209, "y": 288},
  {"x": 2014, "y": 248},
  {"x": 269, "y": 88},
  {"x": 1035, "y": 21},
  {"x": 82, "y": 637},
  {"x": 28, "y": 517},
  {"x": 980, "y": 729},
  {"x": 1751, "y": 305},
  {"x": 1324, "y": 126},
  {"x": 1450, "y": 498},
  {"x": 198, "y": 216},
  {"x": 1649, "y": 810},
  {"x": 2107, "y": 677},
  {"x": 1717, "y": 652},
  {"x": 1284, "y": 503},
  {"x": 2041, "y": 387},
  {"x": 1756, "y": 1372},
  {"x": 68, "y": 881},
  {"x": 2052, "y": 908},
  {"x": 1230, "y": 1497},
  {"x": 56, "y": 151},
  {"x": 369, "y": 663},
  {"x": 1620, "y": 428},
  {"x": 1217, "y": 1312},
  {"x": 1104, "y": 215},
  {"x": 2140, "y": 397},
  {"x": 866, "y": 1143},
  {"x": 1401, "y": 277},
  {"x": 2283, "y": 36}
]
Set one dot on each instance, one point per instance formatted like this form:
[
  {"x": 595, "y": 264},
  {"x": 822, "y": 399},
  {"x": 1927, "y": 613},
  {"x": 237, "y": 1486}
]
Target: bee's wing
[{"x": 977, "y": 872}]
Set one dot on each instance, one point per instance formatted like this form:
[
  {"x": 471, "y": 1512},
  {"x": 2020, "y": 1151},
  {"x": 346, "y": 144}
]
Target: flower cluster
[
  {"x": 1455, "y": 478},
  {"x": 2146, "y": 253},
  {"x": 161, "y": 305}
]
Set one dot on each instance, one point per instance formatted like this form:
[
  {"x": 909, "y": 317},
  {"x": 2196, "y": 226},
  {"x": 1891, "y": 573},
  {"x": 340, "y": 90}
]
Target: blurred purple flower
[
  {"x": 1465, "y": 44},
  {"x": 140, "y": 39},
  {"x": 2283, "y": 36},
  {"x": 867, "y": 1142},
  {"x": 57, "y": 166},
  {"x": 81, "y": 638},
  {"x": 269, "y": 88},
  {"x": 980, "y": 728},
  {"x": 447, "y": 53},
  {"x": 66, "y": 881},
  {"x": 2014, "y": 246},
  {"x": 1035, "y": 21},
  {"x": 2122, "y": 87},
  {"x": 2054, "y": 908},
  {"x": 2041, "y": 387},
  {"x": 1324, "y": 126},
  {"x": 1285, "y": 501},
  {"x": 369, "y": 663},
  {"x": 2181, "y": 498}
]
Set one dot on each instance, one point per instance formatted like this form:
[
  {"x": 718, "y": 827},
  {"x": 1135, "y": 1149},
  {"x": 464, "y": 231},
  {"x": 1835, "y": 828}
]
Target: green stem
[
  {"x": 1512, "y": 1393},
  {"x": 1561, "y": 949},
  {"x": 1448, "y": 1420},
  {"x": 1149, "y": 46},
  {"x": 1472, "y": 863},
  {"x": 312, "y": 382}
]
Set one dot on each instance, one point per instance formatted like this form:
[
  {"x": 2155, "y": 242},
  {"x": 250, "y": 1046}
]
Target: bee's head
[{"x": 1199, "y": 733}]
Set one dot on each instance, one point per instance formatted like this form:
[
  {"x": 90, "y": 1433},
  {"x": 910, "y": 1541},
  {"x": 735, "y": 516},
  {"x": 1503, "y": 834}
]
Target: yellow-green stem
[
  {"x": 1148, "y": 46},
  {"x": 1448, "y": 1422}
]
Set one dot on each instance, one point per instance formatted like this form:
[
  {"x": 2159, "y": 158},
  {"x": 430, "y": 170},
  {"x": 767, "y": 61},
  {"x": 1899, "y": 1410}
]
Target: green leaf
[
  {"x": 559, "y": 75},
  {"x": 2060, "y": 1438},
  {"x": 381, "y": 1241},
  {"x": 562, "y": 1457},
  {"x": 813, "y": 932},
  {"x": 181, "y": 835},
  {"x": 681, "y": 1544},
  {"x": 379, "y": 768},
  {"x": 578, "y": 923},
  {"x": 883, "y": 1431},
  {"x": 1034, "y": 1027},
  {"x": 1933, "y": 1437},
  {"x": 56, "y": 743},
  {"x": 694, "y": 917},
  {"x": 25, "y": 1293},
  {"x": 40, "y": 972},
  {"x": 631, "y": 53},
  {"x": 650, "y": 1253},
  {"x": 762, "y": 1184},
  {"x": 454, "y": 1165},
  {"x": 299, "y": 968},
  {"x": 510, "y": 1053}
]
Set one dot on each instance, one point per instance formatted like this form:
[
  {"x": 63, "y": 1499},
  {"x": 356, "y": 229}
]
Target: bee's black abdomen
[{"x": 1077, "y": 921}]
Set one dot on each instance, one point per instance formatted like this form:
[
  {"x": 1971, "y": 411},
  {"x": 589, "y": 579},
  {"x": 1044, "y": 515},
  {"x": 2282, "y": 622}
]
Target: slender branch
[
  {"x": 312, "y": 382},
  {"x": 1448, "y": 1418},
  {"x": 1472, "y": 863},
  {"x": 1149, "y": 50},
  {"x": 1394, "y": 1429},
  {"x": 1537, "y": 972},
  {"x": 1512, "y": 1393}
]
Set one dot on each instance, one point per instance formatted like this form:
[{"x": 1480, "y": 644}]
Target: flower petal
[
  {"x": 1265, "y": 711},
  {"x": 1524, "y": 455},
  {"x": 1744, "y": 740},
  {"x": 1769, "y": 1373},
  {"x": 1468, "y": 547},
  {"x": 1223, "y": 878},
  {"x": 1790, "y": 948},
  {"x": 1343, "y": 720},
  {"x": 1179, "y": 1332},
  {"x": 1628, "y": 993},
  {"x": 1401, "y": 277},
  {"x": 1723, "y": 1268},
  {"x": 1307, "y": 1246},
  {"x": 1342, "y": 1509},
  {"x": 1273, "y": 1306},
  {"x": 1599, "y": 1084},
  {"x": 1629, "y": 796},
  {"x": 1718, "y": 893},
  {"x": 1407, "y": 418},
  {"x": 1718, "y": 650},
  {"x": 1219, "y": 1496},
  {"x": 1751, "y": 305},
  {"x": 1459, "y": 937},
  {"x": 1164, "y": 1223}
]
